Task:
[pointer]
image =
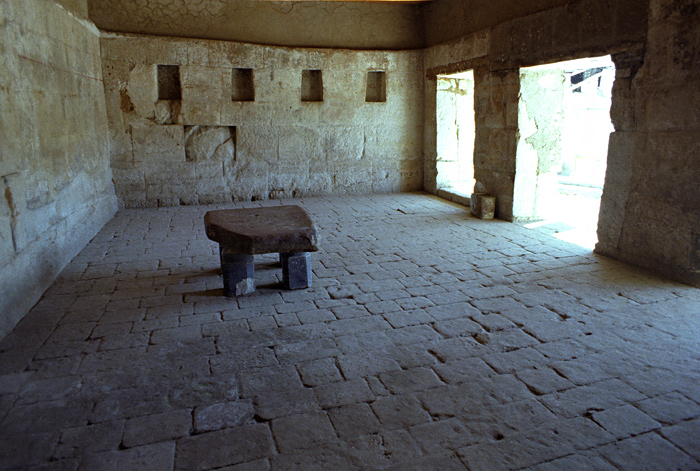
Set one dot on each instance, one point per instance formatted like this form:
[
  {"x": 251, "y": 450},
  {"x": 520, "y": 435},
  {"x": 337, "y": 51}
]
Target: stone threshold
[{"x": 455, "y": 196}]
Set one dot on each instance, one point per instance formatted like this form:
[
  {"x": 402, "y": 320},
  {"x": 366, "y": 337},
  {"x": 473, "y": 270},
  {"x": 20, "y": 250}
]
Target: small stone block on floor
[
  {"x": 482, "y": 205},
  {"x": 296, "y": 270},
  {"x": 238, "y": 271}
]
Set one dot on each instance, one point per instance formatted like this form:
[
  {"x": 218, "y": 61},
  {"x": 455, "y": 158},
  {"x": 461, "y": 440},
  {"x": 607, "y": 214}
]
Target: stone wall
[
  {"x": 650, "y": 211},
  {"x": 255, "y": 122},
  {"x": 447, "y": 20},
  {"x": 55, "y": 179},
  {"x": 337, "y": 24},
  {"x": 584, "y": 28}
]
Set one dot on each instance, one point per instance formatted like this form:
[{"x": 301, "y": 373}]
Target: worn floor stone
[{"x": 430, "y": 340}]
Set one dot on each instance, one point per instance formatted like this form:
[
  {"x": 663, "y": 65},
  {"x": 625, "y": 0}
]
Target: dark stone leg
[
  {"x": 296, "y": 270},
  {"x": 238, "y": 271}
]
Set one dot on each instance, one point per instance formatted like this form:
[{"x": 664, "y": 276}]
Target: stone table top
[{"x": 262, "y": 230}]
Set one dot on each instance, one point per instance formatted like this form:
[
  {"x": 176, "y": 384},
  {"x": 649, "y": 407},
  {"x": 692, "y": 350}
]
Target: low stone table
[{"x": 242, "y": 233}]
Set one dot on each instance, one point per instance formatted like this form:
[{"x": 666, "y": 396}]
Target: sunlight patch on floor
[{"x": 575, "y": 217}]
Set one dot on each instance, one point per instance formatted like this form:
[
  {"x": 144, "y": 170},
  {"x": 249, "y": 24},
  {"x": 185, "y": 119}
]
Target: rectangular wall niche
[
  {"x": 169, "y": 82},
  {"x": 242, "y": 88},
  {"x": 311, "y": 85},
  {"x": 376, "y": 87}
]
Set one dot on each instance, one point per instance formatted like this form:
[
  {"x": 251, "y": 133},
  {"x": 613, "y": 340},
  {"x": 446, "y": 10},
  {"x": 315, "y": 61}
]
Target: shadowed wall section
[
  {"x": 650, "y": 211},
  {"x": 56, "y": 187},
  {"x": 356, "y": 25}
]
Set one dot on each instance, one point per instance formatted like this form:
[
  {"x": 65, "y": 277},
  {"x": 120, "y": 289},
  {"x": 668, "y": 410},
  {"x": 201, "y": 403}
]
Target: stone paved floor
[{"x": 430, "y": 340}]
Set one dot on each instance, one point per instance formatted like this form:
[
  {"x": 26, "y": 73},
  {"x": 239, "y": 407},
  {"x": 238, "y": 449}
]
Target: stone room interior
[{"x": 429, "y": 335}]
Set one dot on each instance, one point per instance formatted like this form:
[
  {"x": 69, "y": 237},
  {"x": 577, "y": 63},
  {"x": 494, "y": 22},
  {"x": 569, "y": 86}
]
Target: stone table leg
[
  {"x": 238, "y": 271},
  {"x": 296, "y": 270}
]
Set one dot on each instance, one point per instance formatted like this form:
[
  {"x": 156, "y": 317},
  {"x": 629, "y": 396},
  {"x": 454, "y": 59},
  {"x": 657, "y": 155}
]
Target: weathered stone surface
[
  {"x": 160, "y": 144},
  {"x": 224, "y": 448},
  {"x": 400, "y": 411},
  {"x": 656, "y": 144},
  {"x": 283, "y": 147},
  {"x": 652, "y": 98},
  {"x": 238, "y": 272},
  {"x": 209, "y": 143},
  {"x": 296, "y": 270},
  {"x": 303, "y": 431},
  {"x": 264, "y": 230},
  {"x": 146, "y": 303},
  {"x": 482, "y": 205},
  {"x": 222, "y": 415},
  {"x": 353, "y": 420},
  {"x": 625, "y": 421},
  {"x": 461, "y": 382},
  {"x": 648, "y": 450},
  {"x": 292, "y": 402},
  {"x": 157, "y": 427},
  {"x": 147, "y": 457},
  {"x": 54, "y": 141}
]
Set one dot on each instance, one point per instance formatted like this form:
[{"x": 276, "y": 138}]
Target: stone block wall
[
  {"x": 496, "y": 96},
  {"x": 583, "y": 28},
  {"x": 55, "y": 182},
  {"x": 207, "y": 146},
  {"x": 650, "y": 210}
]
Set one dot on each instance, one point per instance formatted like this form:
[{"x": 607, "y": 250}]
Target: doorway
[
  {"x": 455, "y": 132},
  {"x": 564, "y": 124}
]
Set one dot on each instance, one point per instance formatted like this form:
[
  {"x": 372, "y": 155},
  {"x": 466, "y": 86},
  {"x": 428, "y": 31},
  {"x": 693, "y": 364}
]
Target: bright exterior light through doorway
[
  {"x": 564, "y": 122},
  {"x": 455, "y": 132}
]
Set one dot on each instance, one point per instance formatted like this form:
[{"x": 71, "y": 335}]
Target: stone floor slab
[{"x": 429, "y": 340}]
